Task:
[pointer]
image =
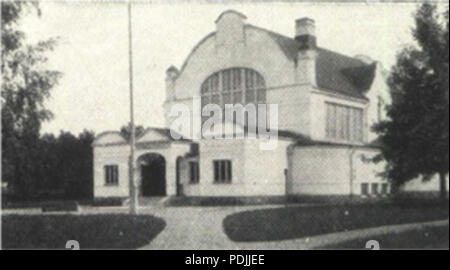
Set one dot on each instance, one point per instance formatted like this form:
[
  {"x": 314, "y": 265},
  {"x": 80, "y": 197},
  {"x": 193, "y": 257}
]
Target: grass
[
  {"x": 297, "y": 222},
  {"x": 426, "y": 238},
  {"x": 91, "y": 231}
]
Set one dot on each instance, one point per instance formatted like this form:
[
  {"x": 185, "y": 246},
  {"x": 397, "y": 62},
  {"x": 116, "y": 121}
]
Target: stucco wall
[
  {"x": 419, "y": 185},
  {"x": 111, "y": 155},
  {"x": 327, "y": 170},
  {"x": 119, "y": 154},
  {"x": 254, "y": 172},
  {"x": 256, "y": 50}
]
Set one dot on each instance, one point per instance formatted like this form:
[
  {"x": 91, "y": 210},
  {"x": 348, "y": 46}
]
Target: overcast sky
[{"x": 92, "y": 52}]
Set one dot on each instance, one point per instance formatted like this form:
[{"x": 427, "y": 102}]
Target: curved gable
[{"x": 259, "y": 49}]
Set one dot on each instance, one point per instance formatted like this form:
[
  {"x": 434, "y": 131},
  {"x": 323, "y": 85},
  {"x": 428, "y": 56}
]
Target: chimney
[
  {"x": 171, "y": 76},
  {"x": 305, "y": 33},
  {"x": 306, "y": 56}
]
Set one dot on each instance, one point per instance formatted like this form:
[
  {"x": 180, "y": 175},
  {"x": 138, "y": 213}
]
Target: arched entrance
[{"x": 153, "y": 174}]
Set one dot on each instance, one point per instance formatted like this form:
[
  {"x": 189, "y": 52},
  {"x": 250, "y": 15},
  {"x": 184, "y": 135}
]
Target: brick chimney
[
  {"x": 306, "y": 56},
  {"x": 305, "y": 33}
]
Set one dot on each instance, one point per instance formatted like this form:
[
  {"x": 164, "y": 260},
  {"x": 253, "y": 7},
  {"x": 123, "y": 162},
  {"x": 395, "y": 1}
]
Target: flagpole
[{"x": 132, "y": 163}]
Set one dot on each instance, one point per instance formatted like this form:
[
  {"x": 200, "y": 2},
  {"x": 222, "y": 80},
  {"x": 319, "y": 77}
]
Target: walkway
[{"x": 199, "y": 228}]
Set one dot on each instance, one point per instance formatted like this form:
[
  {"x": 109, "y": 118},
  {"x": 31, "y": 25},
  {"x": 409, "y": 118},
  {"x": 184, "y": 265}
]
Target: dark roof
[
  {"x": 343, "y": 74},
  {"x": 335, "y": 72}
]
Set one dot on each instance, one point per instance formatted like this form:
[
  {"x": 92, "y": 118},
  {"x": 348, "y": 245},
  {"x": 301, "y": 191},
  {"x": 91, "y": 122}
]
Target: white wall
[
  {"x": 418, "y": 185},
  {"x": 111, "y": 155},
  {"x": 256, "y": 50},
  {"x": 119, "y": 154},
  {"x": 328, "y": 170},
  {"x": 254, "y": 172},
  {"x": 379, "y": 88}
]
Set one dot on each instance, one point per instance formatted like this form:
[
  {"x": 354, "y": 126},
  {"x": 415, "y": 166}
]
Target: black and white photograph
[{"x": 224, "y": 125}]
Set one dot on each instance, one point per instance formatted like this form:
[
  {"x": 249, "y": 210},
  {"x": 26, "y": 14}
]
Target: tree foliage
[
  {"x": 26, "y": 84},
  {"x": 416, "y": 136},
  {"x": 126, "y": 131}
]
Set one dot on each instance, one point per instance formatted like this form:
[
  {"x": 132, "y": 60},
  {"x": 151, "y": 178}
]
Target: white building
[{"x": 327, "y": 103}]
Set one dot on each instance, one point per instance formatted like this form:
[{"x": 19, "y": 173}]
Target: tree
[
  {"x": 126, "y": 131},
  {"x": 416, "y": 137},
  {"x": 26, "y": 84}
]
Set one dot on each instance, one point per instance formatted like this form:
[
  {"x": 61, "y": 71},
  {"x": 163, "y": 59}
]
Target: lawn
[
  {"x": 426, "y": 238},
  {"x": 91, "y": 231},
  {"x": 297, "y": 222}
]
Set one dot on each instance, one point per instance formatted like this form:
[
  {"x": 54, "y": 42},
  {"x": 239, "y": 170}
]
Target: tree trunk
[{"x": 443, "y": 186}]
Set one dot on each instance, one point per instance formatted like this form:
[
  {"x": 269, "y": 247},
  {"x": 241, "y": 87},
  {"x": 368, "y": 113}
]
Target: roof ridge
[
  {"x": 343, "y": 55},
  {"x": 318, "y": 47},
  {"x": 270, "y": 31}
]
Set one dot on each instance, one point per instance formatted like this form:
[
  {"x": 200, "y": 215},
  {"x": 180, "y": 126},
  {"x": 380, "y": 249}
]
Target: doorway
[{"x": 153, "y": 175}]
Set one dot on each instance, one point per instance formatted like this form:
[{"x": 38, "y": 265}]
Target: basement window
[{"x": 222, "y": 171}]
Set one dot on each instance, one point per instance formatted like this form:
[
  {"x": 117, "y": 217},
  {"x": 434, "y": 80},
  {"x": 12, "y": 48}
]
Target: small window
[
  {"x": 111, "y": 175},
  {"x": 375, "y": 189},
  {"x": 194, "y": 172},
  {"x": 222, "y": 171},
  {"x": 385, "y": 188},
  {"x": 364, "y": 189}
]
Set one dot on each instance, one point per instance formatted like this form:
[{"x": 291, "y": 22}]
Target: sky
[{"x": 92, "y": 52}]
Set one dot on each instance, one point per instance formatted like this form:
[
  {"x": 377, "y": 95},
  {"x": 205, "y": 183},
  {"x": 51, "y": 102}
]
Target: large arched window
[{"x": 234, "y": 86}]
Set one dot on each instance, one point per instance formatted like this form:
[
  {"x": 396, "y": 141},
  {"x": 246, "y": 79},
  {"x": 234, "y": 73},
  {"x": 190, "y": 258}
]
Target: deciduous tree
[{"x": 416, "y": 136}]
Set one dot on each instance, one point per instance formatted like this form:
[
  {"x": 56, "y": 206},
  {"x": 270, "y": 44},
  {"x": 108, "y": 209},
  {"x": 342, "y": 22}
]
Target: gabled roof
[
  {"x": 343, "y": 74},
  {"x": 335, "y": 72}
]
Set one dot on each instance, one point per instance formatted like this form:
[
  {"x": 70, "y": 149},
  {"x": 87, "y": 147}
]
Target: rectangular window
[
  {"x": 344, "y": 122},
  {"x": 375, "y": 189},
  {"x": 385, "y": 188},
  {"x": 111, "y": 175},
  {"x": 364, "y": 189},
  {"x": 194, "y": 172},
  {"x": 222, "y": 171}
]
